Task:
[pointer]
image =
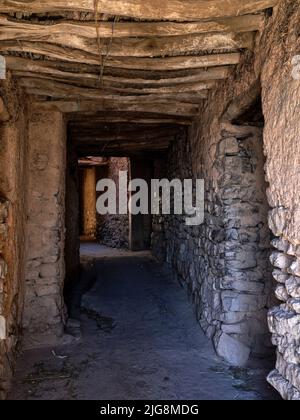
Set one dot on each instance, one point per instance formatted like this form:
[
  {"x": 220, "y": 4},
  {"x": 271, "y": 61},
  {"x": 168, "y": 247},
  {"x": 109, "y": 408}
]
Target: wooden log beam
[
  {"x": 61, "y": 90},
  {"x": 81, "y": 68},
  {"x": 186, "y": 85},
  {"x": 122, "y": 130},
  {"x": 146, "y": 47},
  {"x": 23, "y": 29},
  {"x": 112, "y": 127},
  {"x": 78, "y": 56},
  {"x": 156, "y": 142},
  {"x": 190, "y": 99},
  {"x": 139, "y": 120},
  {"x": 120, "y": 152},
  {"x": 148, "y": 154},
  {"x": 181, "y": 10},
  {"x": 171, "y": 108},
  {"x": 134, "y": 137},
  {"x": 29, "y": 68},
  {"x": 133, "y": 118},
  {"x": 123, "y": 149}
]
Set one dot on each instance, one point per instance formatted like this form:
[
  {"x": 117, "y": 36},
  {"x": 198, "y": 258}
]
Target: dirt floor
[{"x": 139, "y": 340}]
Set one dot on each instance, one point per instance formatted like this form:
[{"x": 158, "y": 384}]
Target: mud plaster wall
[
  {"x": 209, "y": 248},
  {"x": 113, "y": 230},
  {"x": 45, "y": 272},
  {"x": 13, "y": 188}
]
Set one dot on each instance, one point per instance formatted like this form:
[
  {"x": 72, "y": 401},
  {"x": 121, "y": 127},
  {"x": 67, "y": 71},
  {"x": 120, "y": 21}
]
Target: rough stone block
[
  {"x": 32, "y": 274},
  {"x": 237, "y": 302},
  {"x": 295, "y": 268},
  {"x": 3, "y": 210},
  {"x": 293, "y": 287},
  {"x": 229, "y": 146},
  {"x": 239, "y": 328},
  {"x": 284, "y": 323},
  {"x": 2, "y": 328},
  {"x": 295, "y": 305},
  {"x": 3, "y": 269},
  {"x": 241, "y": 259},
  {"x": 280, "y": 244},
  {"x": 241, "y": 286},
  {"x": 233, "y": 351},
  {"x": 49, "y": 270},
  {"x": 281, "y": 293},
  {"x": 232, "y": 317},
  {"x": 51, "y": 259},
  {"x": 48, "y": 290},
  {"x": 280, "y": 276},
  {"x": 285, "y": 389},
  {"x": 289, "y": 371},
  {"x": 280, "y": 260},
  {"x": 278, "y": 220}
]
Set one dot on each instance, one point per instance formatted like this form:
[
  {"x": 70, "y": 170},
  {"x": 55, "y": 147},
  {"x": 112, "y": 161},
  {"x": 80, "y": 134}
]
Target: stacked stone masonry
[
  {"x": 224, "y": 262},
  {"x": 281, "y": 106},
  {"x": 284, "y": 320},
  {"x": 45, "y": 270},
  {"x": 113, "y": 230}
]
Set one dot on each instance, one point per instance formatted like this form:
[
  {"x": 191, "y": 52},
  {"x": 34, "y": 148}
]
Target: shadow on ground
[{"x": 140, "y": 340}]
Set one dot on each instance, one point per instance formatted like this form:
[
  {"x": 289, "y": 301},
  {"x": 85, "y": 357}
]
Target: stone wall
[
  {"x": 13, "y": 188},
  {"x": 45, "y": 272},
  {"x": 281, "y": 103},
  {"x": 113, "y": 230},
  {"x": 224, "y": 261}
]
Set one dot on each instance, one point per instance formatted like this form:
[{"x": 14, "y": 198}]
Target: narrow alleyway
[{"x": 140, "y": 340}]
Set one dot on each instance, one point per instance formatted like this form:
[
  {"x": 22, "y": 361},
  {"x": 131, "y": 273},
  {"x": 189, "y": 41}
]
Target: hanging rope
[
  {"x": 103, "y": 58},
  {"x": 97, "y": 26},
  {"x": 108, "y": 48}
]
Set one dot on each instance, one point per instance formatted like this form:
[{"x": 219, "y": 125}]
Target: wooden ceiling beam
[
  {"x": 103, "y": 149},
  {"x": 124, "y": 130},
  {"x": 134, "y": 118},
  {"x": 29, "y": 68},
  {"x": 79, "y": 56},
  {"x": 145, "y": 120},
  {"x": 181, "y": 10},
  {"x": 144, "y": 47},
  {"x": 61, "y": 90},
  {"x": 21, "y": 29},
  {"x": 171, "y": 108},
  {"x": 94, "y": 70},
  {"x": 187, "y": 84}
]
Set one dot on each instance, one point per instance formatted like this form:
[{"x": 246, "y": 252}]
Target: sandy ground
[{"x": 139, "y": 340}]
